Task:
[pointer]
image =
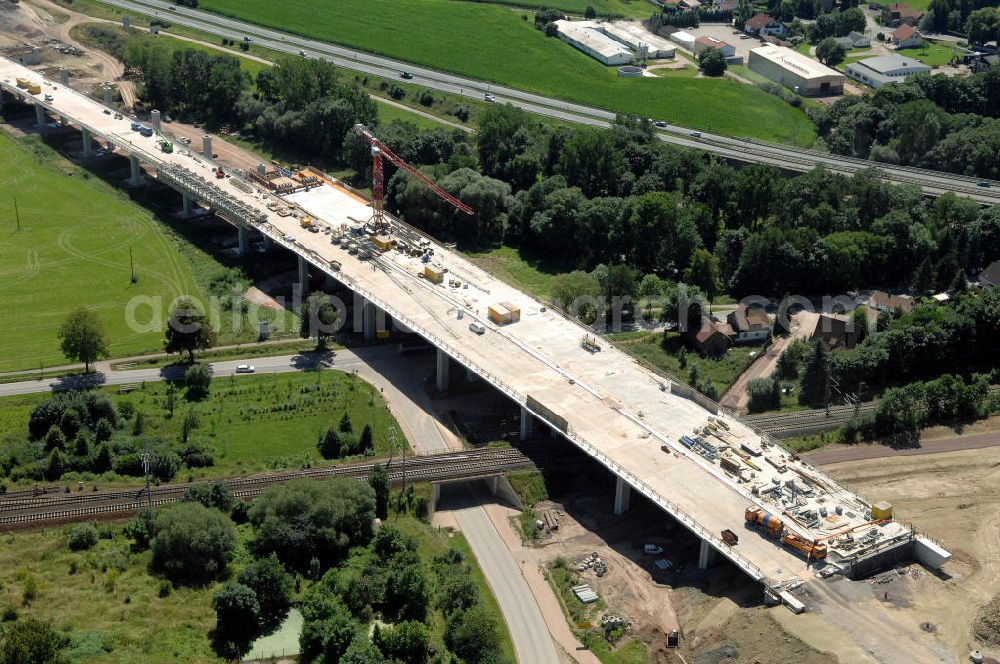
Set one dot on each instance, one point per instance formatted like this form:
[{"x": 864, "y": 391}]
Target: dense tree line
[
  {"x": 953, "y": 15},
  {"x": 393, "y": 584},
  {"x": 939, "y": 122}
]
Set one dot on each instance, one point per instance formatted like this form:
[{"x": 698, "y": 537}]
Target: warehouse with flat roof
[
  {"x": 795, "y": 71},
  {"x": 637, "y": 39},
  {"x": 876, "y": 72},
  {"x": 594, "y": 43}
]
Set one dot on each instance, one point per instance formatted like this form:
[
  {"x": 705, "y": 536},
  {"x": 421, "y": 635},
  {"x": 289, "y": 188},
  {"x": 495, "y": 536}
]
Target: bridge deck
[{"x": 616, "y": 410}]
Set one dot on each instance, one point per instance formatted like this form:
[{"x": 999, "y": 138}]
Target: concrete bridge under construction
[{"x": 656, "y": 435}]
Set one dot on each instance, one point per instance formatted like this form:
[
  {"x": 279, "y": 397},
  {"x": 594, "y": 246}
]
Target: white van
[
  {"x": 245, "y": 368},
  {"x": 477, "y": 328}
]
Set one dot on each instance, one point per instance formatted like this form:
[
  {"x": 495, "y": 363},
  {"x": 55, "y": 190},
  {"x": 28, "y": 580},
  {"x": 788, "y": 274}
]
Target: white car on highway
[{"x": 245, "y": 368}]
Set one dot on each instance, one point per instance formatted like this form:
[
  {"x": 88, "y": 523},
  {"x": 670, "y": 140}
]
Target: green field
[
  {"x": 932, "y": 54},
  {"x": 615, "y": 8},
  {"x": 494, "y": 44},
  {"x": 251, "y": 423},
  {"x": 72, "y": 249},
  {"x": 124, "y": 621},
  {"x": 512, "y": 265}
]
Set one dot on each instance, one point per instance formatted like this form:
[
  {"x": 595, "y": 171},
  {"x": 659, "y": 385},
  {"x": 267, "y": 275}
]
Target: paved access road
[{"x": 932, "y": 183}]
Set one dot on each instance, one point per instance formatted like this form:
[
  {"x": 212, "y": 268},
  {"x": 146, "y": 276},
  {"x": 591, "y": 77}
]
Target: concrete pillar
[
  {"x": 206, "y": 146},
  {"x": 368, "y": 317},
  {"x": 435, "y": 498},
  {"x": 39, "y": 114},
  {"x": 494, "y": 484},
  {"x": 623, "y": 495},
  {"x": 527, "y": 423},
  {"x": 303, "y": 275},
  {"x": 86, "y": 142},
  {"x": 185, "y": 205},
  {"x": 108, "y": 99},
  {"x": 706, "y": 555},
  {"x": 329, "y": 283},
  {"x": 470, "y": 375},
  {"x": 64, "y": 76},
  {"x": 154, "y": 119},
  {"x": 242, "y": 241},
  {"x": 136, "y": 178},
  {"x": 443, "y": 365},
  {"x": 266, "y": 241}
]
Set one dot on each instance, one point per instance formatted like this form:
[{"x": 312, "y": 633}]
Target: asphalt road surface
[
  {"x": 825, "y": 457},
  {"x": 932, "y": 183}
]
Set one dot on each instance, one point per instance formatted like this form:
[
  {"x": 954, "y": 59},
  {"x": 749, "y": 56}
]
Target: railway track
[{"x": 18, "y": 510}]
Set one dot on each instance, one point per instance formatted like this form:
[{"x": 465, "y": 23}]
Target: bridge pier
[
  {"x": 39, "y": 114},
  {"x": 185, "y": 205},
  {"x": 64, "y": 76},
  {"x": 527, "y": 423},
  {"x": 241, "y": 240},
  {"x": 443, "y": 368},
  {"x": 706, "y": 555},
  {"x": 623, "y": 496},
  {"x": 136, "y": 178},
  {"x": 86, "y": 142},
  {"x": 369, "y": 319},
  {"x": 303, "y": 274},
  {"x": 206, "y": 146},
  {"x": 108, "y": 99}
]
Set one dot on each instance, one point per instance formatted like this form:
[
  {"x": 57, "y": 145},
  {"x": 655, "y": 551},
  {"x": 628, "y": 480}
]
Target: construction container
[
  {"x": 34, "y": 88},
  {"x": 504, "y": 313},
  {"x": 383, "y": 242},
  {"x": 771, "y": 524},
  {"x": 433, "y": 274},
  {"x": 881, "y": 511},
  {"x": 382, "y": 334},
  {"x": 23, "y": 83},
  {"x": 730, "y": 538},
  {"x": 730, "y": 465}
]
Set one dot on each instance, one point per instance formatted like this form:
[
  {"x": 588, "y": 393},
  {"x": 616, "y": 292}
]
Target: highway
[{"x": 933, "y": 183}]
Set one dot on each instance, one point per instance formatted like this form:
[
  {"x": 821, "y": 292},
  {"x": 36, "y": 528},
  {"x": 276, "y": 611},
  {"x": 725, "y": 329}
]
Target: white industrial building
[
  {"x": 593, "y": 42},
  {"x": 876, "y": 72},
  {"x": 795, "y": 71},
  {"x": 683, "y": 39},
  {"x": 637, "y": 39}
]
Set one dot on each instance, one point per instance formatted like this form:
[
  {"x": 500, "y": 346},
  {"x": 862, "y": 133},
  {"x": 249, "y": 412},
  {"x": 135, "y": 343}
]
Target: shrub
[
  {"x": 82, "y": 537},
  {"x": 165, "y": 588},
  {"x": 198, "y": 378},
  {"x": 192, "y": 543},
  {"x": 140, "y": 529},
  {"x": 272, "y": 586}
]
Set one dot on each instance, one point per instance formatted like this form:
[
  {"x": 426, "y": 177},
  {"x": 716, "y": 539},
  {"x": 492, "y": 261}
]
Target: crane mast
[{"x": 380, "y": 151}]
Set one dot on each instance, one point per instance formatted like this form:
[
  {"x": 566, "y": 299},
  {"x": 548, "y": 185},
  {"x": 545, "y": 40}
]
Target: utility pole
[{"x": 145, "y": 471}]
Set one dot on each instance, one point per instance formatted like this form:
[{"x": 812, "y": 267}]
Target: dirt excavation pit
[{"x": 718, "y": 612}]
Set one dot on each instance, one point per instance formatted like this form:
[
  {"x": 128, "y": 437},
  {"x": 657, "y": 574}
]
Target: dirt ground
[
  {"x": 955, "y": 498},
  {"x": 717, "y": 612}
]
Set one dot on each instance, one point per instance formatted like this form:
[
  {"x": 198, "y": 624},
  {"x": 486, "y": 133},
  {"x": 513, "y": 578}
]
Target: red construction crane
[{"x": 379, "y": 150}]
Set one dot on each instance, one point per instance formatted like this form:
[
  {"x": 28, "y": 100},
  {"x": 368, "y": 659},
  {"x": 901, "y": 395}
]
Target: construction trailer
[
  {"x": 504, "y": 313},
  {"x": 433, "y": 274}
]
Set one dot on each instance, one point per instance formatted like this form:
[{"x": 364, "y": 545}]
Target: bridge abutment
[{"x": 623, "y": 496}]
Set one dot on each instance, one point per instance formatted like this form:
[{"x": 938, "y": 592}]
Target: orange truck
[{"x": 769, "y": 523}]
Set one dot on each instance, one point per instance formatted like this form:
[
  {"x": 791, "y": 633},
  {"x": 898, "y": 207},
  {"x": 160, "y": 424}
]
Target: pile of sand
[{"x": 986, "y": 628}]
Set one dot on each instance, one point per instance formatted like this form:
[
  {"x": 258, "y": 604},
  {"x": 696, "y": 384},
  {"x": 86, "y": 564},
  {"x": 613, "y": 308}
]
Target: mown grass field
[
  {"x": 73, "y": 249},
  {"x": 118, "y": 618},
  {"x": 630, "y": 8},
  {"x": 251, "y": 423},
  {"x": 527, "y": 273},
  {"x": 494, "y": 43}
]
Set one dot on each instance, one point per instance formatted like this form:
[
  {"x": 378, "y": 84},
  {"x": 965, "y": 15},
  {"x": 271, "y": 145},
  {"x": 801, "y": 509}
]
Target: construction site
[{"x": 779, "y": 520}]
